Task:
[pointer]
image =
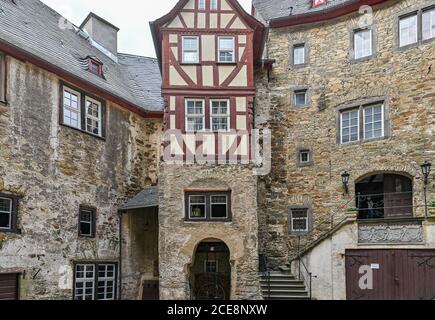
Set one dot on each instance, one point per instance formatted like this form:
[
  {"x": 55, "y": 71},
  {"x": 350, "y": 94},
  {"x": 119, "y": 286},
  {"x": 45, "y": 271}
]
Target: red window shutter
[{"x": 317, "y": 3}]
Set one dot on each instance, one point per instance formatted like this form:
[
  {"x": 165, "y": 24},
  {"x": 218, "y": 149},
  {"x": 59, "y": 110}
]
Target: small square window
[
  {"x": 299, "y": 54},
  {"x": 408, "y": 33},
  {"x": 304, "y": 156},
  {"x": 301, "y": 98},
  {"x": 211, "y": 266},
  {"x": 87, "y": 222},
  {"x": 299, "y": 220}
]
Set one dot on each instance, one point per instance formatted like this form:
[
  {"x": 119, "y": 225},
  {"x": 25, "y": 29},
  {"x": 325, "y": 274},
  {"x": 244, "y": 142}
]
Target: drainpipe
[{"x": 120, "y": 212}]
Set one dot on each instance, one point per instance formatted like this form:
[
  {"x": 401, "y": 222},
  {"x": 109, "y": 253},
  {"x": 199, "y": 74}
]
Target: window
[
  {"x": 214, "y": 4},
  {"x": 2, "y": 77},
  {"x": 408, "y": 30},
  {"x": 299, "y": 54},
  {"x": 8, "y": 213},
  {"x": 71, "y": 108},
  {"x": 95, "y": 281},
  {"x": 190, "y": 50},
  {"x": 226, "y": 50},
  {"x": 195, "y": 115},
  {"x": 363, "y": 43},
  {"x": 87, "y": 219},
  {"x": 211, "y": 266},
  {"x": 220, "y": 115},
  {"x": 201, "y": 4},
  {"x": 301, "y": 98},
  {"x": 208, "y": 206},
  {"x": 83, "y": 112},
  {"x": 299, "y": 220},
  {"x": 366, "y": 122},
  {"x": 428, "y": 24},
  {"x": 349, "y": 126},
  {"x": 93, "y": 116},
  {"x": 304, "y": 156},
  {"x": 96, "y": 67},
  {"x": 373, "y": 122}
]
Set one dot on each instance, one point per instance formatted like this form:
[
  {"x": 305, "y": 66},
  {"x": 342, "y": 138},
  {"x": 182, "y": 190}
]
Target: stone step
[
  {"x": 292, "y": 293},
  {"x": 277, "y": 286},
  {"x": 282, "y": 282},
  {"x": 287, "y": 298},
  {"x": 278, "y": 274}
]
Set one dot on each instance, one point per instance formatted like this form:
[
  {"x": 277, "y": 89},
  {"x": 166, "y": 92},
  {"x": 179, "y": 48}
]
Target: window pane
[
  {"x": 226, "y": 43},
  {"x": 201, "y": 4},
  {"x": 71, "y": 109},
  {"x": 304, "y": 156},
  {"x": 408, "y": 30},
  {"x": 299, "y": 219},
  {"x": 349, "y": 126},
  {"x": 428, "y": 24},
  {"x": 214, "y": 4},
  {"x": 226, "y": 49},
  {"x": 373, "y": 122},
  {"x": 363, "y": 44},
  {"x": 299, "y": 55},
  {"x": 300, "y": 98},
  {"x": 197, "y": 210},
  {"x": 5, "y": 220},
  {"x": 190, "y": 44},
  {"x": 219, "y": 210},
  {"x": 85, "y": 229}
]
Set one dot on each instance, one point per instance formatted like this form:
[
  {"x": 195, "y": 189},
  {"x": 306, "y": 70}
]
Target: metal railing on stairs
[{"x": 264, "y": 268}]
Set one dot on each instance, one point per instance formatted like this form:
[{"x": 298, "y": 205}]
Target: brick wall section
[{"x": 404, "y": 78}]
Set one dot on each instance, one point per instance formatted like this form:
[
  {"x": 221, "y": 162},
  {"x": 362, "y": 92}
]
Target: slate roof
[
  {"x": 273, "y": 9},
  {"x": 148, "y": 198},
  {"x": 32, "y": 26}
]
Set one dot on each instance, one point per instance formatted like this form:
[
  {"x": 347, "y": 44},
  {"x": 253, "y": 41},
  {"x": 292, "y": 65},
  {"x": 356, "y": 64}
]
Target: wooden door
[
  {"x": 151, "y": 290},
  {"x": 9, "y": 286},
  {"x": 397, "y": 274},
  {"x": 398, "y": 196}
]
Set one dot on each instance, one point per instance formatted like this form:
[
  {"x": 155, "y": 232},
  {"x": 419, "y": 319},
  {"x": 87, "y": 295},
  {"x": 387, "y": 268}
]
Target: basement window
[
  {"x": 8, "y": 213},
  {"x": 214, "y": 206},
  {"x": 95, "y": 281},
  {"x": 87, "y": 221}
]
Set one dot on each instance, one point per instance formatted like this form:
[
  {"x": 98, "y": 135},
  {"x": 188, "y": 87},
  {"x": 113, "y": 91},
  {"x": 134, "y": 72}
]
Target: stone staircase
[{"x": 283, "y": 286}]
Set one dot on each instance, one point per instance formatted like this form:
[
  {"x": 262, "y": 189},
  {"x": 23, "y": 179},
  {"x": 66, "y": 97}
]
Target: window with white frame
[
  {"x": 195, "y": 115},
  {"x": 304, "y": 156},
  {"x": 197, "y": 206},
  {"x": 95, "y": 281},
  {"x": 71, "y": 108},
  {"x": 363, "y": 43},
  {"x": 220, "y": 115},
  {"x": 408, "y": 30},
  {"x": 350, "y": 126},
  {"x": 208, "y": 206},
  {"x": 373, "y": 121},
  {"x": 219, "y": 206},
  {"x": 299, "y": 54},
  {"x": 190, "y": 49},
  {"x": 211, "y": 266},
  {"x": 428, "y": 24},
  {"x": 299, "y": 220},
  {"x": 301, "y": 98},
  {"x": 93, "y": 116},
  {"x": 6, "y": 208},
  {"x": 214, "y": 4},
  {"x": 226, "y": 49},
  {"x": 201, "y": 4}
]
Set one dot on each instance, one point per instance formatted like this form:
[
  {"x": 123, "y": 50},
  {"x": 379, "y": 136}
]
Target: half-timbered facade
[{"x": 208, "y": 224}]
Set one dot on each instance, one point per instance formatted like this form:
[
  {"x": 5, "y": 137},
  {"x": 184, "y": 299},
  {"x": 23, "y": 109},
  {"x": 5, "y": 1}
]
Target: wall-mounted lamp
[
  {"x": 425, "y": 170},
  {"x": 345, "y": 179}
]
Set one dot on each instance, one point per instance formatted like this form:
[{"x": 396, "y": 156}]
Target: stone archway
[{"x": 210, "y": 271}]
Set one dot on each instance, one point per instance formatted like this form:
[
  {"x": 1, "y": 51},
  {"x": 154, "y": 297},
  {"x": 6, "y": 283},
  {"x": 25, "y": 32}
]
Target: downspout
[{"x": 120, "y": 212}]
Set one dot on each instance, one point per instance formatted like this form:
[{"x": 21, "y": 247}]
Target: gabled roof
[
  {"x": 256, "y": 25},
  {"x": 32, "y": 31},
  {"x": 282, "y": 13},
  {"x": 148, "y": 198}
]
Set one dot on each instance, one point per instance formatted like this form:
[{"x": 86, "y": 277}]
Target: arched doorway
[
  {"x": 384, "y": 195},
  {"x": 210, "y": 274}
]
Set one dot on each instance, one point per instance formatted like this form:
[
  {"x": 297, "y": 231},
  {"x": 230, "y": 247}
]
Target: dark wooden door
[
  {"x": 150, "y": 290},
  {"x": 398, "y": 196},
  {"x": 397, "y": 274},
  {"x": 9, "y": 286}
]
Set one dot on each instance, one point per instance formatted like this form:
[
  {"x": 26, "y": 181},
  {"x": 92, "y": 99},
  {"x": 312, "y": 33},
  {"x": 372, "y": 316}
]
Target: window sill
[
  {"x": 307, "y": 164},
  {"x": 190, "y": 63},
  {"x": 11, "y": 231},
  {"x": 363, "y": 59},
  {"x": 361, "y": 142},
  {"x": 223, "y": 220},
  {"x": 298, "y": 66},
  {"x": 82, "y": 131},
  {"x": 226, "y": 63}
]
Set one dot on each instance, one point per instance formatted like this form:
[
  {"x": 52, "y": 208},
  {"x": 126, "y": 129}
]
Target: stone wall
[
  {"x": 56, "y": 169},
  {"x": 178, "y": 239},
  {"x": 404, "y": 79}
]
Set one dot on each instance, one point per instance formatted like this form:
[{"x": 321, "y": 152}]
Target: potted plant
[{"x": 432, "y": 208}]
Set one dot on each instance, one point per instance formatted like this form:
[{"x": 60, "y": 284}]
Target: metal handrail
[{"x": 266, "y": 272}]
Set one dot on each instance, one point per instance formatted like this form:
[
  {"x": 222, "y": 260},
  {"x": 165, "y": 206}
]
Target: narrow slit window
[
  {"x": 299, "y": 54},
  {"x": 93, "y": 116},
  {"x": 87, "y": 223}
]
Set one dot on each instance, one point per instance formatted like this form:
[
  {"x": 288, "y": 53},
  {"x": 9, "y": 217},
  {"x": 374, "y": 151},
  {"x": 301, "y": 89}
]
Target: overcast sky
[{"x": 131, "y": 16}]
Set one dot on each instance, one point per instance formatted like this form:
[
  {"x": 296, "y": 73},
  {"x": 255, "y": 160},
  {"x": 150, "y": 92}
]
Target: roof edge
[
  {"x": 93, "y": 15},
  {"x": 26, "y": 56},
  {"x": 322, "y": 15}
]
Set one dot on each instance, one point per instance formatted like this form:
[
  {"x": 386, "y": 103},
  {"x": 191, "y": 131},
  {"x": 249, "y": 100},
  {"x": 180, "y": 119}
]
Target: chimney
[{"x": 102, "y": 32}]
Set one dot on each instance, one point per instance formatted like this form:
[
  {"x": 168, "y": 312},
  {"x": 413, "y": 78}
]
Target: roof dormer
[
  {"x": 95, "y": 66},
  {"x": 318, "y": 3}
]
